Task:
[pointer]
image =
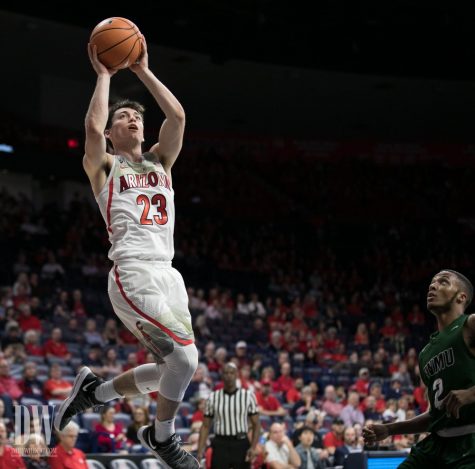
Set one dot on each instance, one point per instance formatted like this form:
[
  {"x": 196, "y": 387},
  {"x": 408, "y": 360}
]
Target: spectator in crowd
[
  {"x": 8, "y": 385},
  {"x": 110, "y": 435},
  {"x": 55, "y": 348},
  {"x": 112, "y": 366},
  {"x": 309, "y": 456},
  {"x": 36, "y": 452},
  {"x": 56, "y": 387},
  {"x": 140, "y": 417},
  {"x": 267, "y": 403},
  {"x": 351, "y": 413},
  {"x": 30, "y": 385},
  {"x": 350, "y": 446},
  {"x": 285, "y": 381},
  {"x": 361, "y": 385},
  {"x": 4, "y": 419},
  {"x": 32, "y": 344},
  {"x": 65, "y": 455},
  {"x": 9, "y": 457},
  {"x": 93, "y": 359},
  {"x": 26, "y": 320},
  {"x": 334, "y": 438},
  {"x": 91, "y": 334},
  {"x": 307, "y": 404},
  {"x": 281, "y": 453},
  {"x": 73, "y": 332},
  {"x": 294, "y": 394},
  {"x": 330, "y": 405},
  {"x": 370, "y": 412}
]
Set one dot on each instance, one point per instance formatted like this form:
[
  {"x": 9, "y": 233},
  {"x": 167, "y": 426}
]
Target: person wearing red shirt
[
  {"x": 8, "y": 385},
  {"x": 32, "y": 344},
  {"x": 54, "y": 348},
  {"x": 56, "y": 387},
  {"x": 361, "y": 385},
  {"x": 65, "y": 455},
  {"x": 334, "y": 439},
  {"x": 294, "y": 393},
  {"x": 268, "y": 404},
  {"x": 27, "y": 321},
  {"x": 9, "y": 457},
  {"x": 284, "y": 382}
]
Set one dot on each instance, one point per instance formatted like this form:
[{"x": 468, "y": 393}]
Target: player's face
[
  {"x": 127, "y": 123},
  {"x": 443, "y": 291}
]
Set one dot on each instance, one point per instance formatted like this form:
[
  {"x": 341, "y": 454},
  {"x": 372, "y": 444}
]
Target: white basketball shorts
[{"x": 150, "y": 298}]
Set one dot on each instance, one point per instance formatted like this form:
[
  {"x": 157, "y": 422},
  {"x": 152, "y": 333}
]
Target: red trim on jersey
[
  {"x": 109, "y": 203},
  {"x": 145, "y": 316}
]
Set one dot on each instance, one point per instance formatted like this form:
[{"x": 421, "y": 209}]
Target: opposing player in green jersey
[{"x": 447, "y": 368}]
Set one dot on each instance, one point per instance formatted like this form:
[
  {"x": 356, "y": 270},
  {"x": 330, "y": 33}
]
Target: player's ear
[
  {"x": 107, "y": 133},
  {"x": 462, "y": 297}
]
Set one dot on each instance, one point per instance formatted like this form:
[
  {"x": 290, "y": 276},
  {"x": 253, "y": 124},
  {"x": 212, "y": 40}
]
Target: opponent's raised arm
[{"x": 170, "y": 138}]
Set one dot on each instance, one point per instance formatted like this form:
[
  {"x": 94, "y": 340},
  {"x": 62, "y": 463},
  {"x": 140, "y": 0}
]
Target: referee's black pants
[{"x": 229, "y": 452}]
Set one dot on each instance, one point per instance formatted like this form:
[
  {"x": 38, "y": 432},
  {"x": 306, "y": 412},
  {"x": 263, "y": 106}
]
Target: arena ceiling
[{"x": 399, "y": 38}]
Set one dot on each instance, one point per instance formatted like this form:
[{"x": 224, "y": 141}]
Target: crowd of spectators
[{"x": 314, "y": 291}]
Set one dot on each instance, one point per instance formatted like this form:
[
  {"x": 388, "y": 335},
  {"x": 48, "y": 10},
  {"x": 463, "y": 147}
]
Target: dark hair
[
  {"x": 135, "y": 105},
  {"x": 466, "y": 284}
]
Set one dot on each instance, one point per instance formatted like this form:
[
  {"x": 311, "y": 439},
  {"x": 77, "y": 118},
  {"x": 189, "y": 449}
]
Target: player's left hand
[
  {"x": 142, "y": 62},
  {"x": 454, "y": 400}
]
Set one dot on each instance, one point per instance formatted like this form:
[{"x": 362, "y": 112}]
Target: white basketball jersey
[{"x": 137, "y": 203}]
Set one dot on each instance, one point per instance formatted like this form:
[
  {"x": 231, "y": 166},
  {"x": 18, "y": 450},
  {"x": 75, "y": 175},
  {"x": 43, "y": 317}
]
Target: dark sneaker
[
  {"x": 81, "y": 398},
  {"x": 170, "y": 452}
]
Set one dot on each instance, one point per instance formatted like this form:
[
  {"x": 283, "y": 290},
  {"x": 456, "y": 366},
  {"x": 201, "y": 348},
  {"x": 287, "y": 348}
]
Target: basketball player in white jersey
[{"x": 135, "y": 195}]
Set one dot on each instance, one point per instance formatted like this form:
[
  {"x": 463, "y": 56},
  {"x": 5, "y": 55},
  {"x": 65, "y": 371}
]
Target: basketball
[{"x": 118, "y": 42}]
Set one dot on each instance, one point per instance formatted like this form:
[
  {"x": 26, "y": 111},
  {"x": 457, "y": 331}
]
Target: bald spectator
[
  {"x": 330, "y": 404},
  {"x": 281, "y": 453},
  {"x": 351, "y": 413}
]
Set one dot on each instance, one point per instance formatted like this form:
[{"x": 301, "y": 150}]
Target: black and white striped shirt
[{"x": 230, "y": 411}]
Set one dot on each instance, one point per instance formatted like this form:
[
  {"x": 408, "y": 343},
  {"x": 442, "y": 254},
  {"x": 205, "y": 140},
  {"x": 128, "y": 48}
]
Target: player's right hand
[
  {"x": 374, "y": 433},
  {"x": 97, "y": 65}
]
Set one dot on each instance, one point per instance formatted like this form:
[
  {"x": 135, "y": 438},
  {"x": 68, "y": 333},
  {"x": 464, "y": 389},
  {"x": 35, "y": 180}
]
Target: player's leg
[
  {"x": 460, "y": 452},
  {"x": 160, "y": 437}
]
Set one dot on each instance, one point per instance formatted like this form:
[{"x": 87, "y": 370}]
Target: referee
[{"x": 232, "y": 409}]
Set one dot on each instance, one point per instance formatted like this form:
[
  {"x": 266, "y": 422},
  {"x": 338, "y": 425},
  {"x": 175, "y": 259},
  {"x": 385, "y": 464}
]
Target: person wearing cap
[
  {"x": 267, "y": 403},
  {"x": 232, "y": 409},
  {"x": 310, "y": 458},
  {"x": 240, "y": 354},
  {"x": 334, "y": 438}
]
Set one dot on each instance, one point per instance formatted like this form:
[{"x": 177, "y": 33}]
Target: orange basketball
[{"x": 118, "y": 42}]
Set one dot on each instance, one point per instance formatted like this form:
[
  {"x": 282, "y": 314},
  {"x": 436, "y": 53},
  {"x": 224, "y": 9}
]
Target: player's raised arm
[
  {"x": 171, "y": 133},
  {"x": 97, "y": 113}
]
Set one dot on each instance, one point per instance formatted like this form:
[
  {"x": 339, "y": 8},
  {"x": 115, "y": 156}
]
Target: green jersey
[{"x": 446, "y": 364}]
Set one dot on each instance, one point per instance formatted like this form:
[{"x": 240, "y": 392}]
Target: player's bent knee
[
  {"x": 147, "y": 378},
  {"x": 177, "y": 371}
]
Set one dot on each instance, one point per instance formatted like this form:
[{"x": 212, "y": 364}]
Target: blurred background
[{"x": 326, "y": 176}]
